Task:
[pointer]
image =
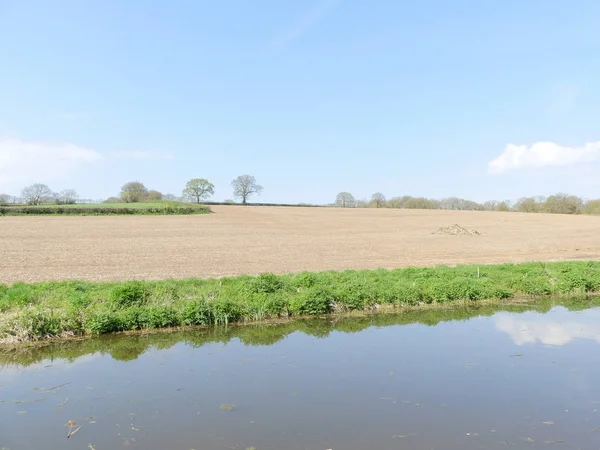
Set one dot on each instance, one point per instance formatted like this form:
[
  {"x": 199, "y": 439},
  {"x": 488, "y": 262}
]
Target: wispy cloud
[
  {"x": 302, "y": 25},
  {"x": 27, "y": 161},
  {"x": 534, "y": 327},
  {"x": 543, "y": 154},
  {"x": 140, "y": 154},
  {"x": 24, "y": 162}
]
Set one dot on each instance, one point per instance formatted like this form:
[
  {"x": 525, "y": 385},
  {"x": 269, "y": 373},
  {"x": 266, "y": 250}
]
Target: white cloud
[
  {"x": 547, "y": 330},
  {"x": 304, "y": 23},
  {"x": 543, "y": 154},
  {"x": 25, "y": 162},
  {"x": 139, "y": 154}
]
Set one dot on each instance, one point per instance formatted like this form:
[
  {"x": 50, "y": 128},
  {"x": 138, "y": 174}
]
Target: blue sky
[{"x": 484, "y": 100}]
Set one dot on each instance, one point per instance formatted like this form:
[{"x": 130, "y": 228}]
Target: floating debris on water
[
  {"x": 227, "y": 407},
  {"x": 53, "y": 389},
  {"x": 73, "y": 431}
]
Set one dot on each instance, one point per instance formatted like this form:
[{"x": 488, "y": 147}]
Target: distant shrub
[
  {"x": 225, "y": 311},
  {"x": 406, "y": 294},
  {"x": 578, "y": 282},
  {"x": 157, "y": 317},
  {"x": 102, "y": 322},
  {"x": 129, "y": 319},
  {"x": 313, "y": 301},
  {"x": 20, "y": 294},
  {"x": 535, "y": 285},
  {"x": 197, "y": 312},
  {"x": 266, "y": 283},
  {"x": 128, "y": 294},
  {"x": 42, "y": 323},
  {"x": 102, "y": 210},
  {"x": 79, "y": 300},
  {"x": 305, "y": 279},
  {"x": 356, "y": 295},
  {"x": 261, "y": 306}
]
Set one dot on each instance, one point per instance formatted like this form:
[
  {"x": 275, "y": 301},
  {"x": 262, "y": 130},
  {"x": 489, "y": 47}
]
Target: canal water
[{"x": 518, "y": 377}]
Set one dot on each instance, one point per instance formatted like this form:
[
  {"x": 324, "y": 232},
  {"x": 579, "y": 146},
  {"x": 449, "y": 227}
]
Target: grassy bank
[
  {"x": 154, "y": 208},
  {"x": 260, "y": 334},
  {"x": 34, "y": 311}
]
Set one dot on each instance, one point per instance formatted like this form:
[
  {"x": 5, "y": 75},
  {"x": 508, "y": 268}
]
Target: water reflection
[
  {"x": 559, "y": 328},
  {"x": 437, "y": 379}
]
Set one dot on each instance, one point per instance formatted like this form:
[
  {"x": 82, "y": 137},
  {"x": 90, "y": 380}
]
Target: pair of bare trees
[
  {"x": 199, "y": 189},
  {"x": 347, "y": 200}
]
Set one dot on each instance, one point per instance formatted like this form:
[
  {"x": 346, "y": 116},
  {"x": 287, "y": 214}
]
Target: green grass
[
  {"x": 34, "y": 311},
  {"x": 149, "y": 208},
  {"x": 261, "y": 334}
]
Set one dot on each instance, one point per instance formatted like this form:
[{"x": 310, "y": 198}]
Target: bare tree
[
  {"x": 68, "y": 197},
  {"x": 198, "y": 189},
  {"x": 460, "y": 204},
  {"x": 4, "y": 199},
  {"x": 378, "y": 199},
  {"x": 345, "y": 200},
  {"x": 409, "y": 202},
  {"x": 244, "y": 186},
  {"x": 170, "y": 197},
  {"x": 133, "y": 192},
  {"x": 36, "y": 193}
]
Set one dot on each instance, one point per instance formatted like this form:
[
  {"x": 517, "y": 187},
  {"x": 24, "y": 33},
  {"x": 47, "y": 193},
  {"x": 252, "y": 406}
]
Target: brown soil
[{"x": 238, "y": 240}]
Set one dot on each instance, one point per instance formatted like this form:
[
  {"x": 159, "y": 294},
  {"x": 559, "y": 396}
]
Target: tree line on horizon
[
  {"x": 559, "y": 203},
  {"x": 199, "y": 190},
  {"x": 196, "y": 190}
]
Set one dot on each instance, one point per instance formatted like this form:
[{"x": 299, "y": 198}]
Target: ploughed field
[{"x": 250, "y": 240}]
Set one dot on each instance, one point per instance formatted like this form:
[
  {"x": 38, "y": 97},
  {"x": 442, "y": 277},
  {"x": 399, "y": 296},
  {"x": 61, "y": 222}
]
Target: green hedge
[{"x": 100, "y": 210}]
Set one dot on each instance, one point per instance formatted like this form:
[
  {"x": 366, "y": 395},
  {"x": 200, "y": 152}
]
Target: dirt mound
[{"x": 457, "y": 230}]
